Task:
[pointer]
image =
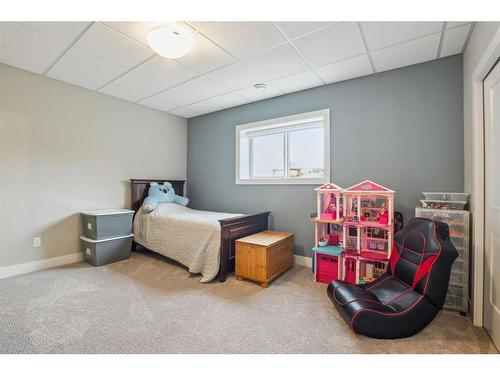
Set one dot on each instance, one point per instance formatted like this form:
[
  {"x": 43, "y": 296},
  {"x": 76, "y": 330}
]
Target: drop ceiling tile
[
  {"x": 75, "y": 78},
  {"x": 451, "y": 25},
  {"x": 184, "y": 112},
  {"x": 197, "y": 89},
  {"x": 22, "y": 61},
  {"x": 299, "y": 28},
  {"x": 26, "y": 41},
  {"x": 135, "y": 30},
  {"x": 383, "y": 34},
  {"x": 132, "y": 87},
  {"x": 205, "y": 106},
  {"x": 167, "y": 100},
  {"x": 235, "y": 76},
  {"x": 122, "y": 92},
  {"x": 454, "y": 40},
  {"x": 159, "y": 102},
  {"x": 231, "y": 99},
  {"x": 409, "y": 53},
  {"x": 346, "y": 69},
  {"x": 200, "y": 25},
  {"x": 336, "y": 43},
  {"x": 277, "y": 62},
  {"x": 164, "y": 71},
  {"x": 205, "y": 56},
  {"x": 254, "y": 95},
  {"x": 88, "y": 64},
  {"x": 297, "y": 82},
  {"x": 243, "y": 39},
  {"x": 105, "y": 42},
  {"x": 65, "y": 32}
]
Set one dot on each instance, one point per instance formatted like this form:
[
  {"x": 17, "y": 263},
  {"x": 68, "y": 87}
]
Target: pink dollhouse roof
[
  {"x": 368, "y": 186},
  {"x": 328, "y": 187}
]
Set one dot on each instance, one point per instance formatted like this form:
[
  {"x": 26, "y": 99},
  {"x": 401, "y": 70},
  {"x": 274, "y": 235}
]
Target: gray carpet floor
[{"x": 148, "y": 304}]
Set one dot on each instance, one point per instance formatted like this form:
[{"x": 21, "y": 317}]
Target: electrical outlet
[{"x": 37, "y": 242}]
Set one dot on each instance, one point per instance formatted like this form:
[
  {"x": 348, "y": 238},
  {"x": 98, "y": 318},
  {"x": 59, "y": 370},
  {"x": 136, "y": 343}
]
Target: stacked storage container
[
  {"x": 107, "y": 235},
  {"x": 459, "y": 224}
]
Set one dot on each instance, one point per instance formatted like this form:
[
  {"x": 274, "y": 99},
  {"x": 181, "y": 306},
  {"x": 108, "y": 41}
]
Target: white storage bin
[
  {"x": 460, "y": 197},
  {"x": 458, "y": 223}
]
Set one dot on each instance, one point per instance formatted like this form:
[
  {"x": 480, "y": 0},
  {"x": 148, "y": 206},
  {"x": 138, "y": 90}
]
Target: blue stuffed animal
[{"x": 162, "y": 194}]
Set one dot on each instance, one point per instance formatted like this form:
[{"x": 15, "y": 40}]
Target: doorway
[{"x": 491, "y": 278}]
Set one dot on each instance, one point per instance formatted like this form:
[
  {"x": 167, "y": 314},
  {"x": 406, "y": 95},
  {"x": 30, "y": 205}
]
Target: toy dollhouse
[{"x": 353, "y": 232}]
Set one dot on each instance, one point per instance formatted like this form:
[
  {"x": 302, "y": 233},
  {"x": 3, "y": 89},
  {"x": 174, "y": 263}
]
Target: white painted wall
[
  {"x": 480, "y": 39},
  {"x": 64, "y": 149}
]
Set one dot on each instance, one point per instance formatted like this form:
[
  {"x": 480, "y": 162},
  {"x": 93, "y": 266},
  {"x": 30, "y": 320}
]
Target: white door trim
[{"x": 481, "y": 70}]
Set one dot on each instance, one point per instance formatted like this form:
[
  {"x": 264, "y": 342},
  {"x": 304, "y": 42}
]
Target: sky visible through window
[
  {"x": 268, "y": 156},
  {"x": 305, "y": 150}
]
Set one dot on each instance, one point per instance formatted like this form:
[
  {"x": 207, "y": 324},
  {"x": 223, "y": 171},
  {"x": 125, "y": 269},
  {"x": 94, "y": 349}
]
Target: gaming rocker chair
[{"x": 409, "y": 295}]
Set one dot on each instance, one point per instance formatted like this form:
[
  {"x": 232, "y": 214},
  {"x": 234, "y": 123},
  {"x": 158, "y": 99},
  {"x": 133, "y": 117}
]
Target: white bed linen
[{"x": 191, "y": 237}]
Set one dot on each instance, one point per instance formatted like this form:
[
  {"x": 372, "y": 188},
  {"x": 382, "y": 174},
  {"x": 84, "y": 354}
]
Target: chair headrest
[{"x": 423, "y": 229}]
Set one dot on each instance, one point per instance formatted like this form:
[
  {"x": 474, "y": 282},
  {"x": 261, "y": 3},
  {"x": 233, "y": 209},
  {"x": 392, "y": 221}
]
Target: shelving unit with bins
[{"x": 459, "y": 225}]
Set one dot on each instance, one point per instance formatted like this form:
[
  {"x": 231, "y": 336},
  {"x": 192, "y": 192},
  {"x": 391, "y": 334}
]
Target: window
[{"x": 287, "y": 150}]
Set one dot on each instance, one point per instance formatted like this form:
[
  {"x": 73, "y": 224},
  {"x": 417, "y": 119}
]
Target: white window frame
[{"x": 324, "y": 116}]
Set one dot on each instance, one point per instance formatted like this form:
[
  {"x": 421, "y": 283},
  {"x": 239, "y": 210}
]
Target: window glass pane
[
  {"x": 268, "y": 156},
  {"x": 306, "y": 153}
]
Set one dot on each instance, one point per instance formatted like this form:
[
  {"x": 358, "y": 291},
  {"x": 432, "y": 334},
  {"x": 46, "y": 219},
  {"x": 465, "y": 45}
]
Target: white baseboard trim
[
  {"x": 38, "y": 265},
  {"x": 303, "y": 261}
]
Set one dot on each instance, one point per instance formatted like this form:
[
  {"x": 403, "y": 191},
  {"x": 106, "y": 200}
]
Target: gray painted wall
[{"x": 408, "y": 122}]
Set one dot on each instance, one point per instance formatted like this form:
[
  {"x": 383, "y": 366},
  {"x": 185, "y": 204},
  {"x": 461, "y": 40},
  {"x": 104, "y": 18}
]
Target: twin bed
[{"x": 203, "y": 241}]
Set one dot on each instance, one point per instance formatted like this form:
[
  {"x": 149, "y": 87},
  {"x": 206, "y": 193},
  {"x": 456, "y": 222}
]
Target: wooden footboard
[{"x": 231, "y": 230}]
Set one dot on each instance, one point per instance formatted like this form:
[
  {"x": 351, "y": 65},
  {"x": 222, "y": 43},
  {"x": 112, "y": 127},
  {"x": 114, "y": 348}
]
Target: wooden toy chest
[{"x": 264, "y": 256}]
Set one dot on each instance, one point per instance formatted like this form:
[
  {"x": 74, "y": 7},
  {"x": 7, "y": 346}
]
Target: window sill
[{"x": 304, "y": 181}]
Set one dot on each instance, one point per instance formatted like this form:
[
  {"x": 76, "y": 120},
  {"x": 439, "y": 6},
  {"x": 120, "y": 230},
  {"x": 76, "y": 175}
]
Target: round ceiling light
[{"x": 171, "y": 41}]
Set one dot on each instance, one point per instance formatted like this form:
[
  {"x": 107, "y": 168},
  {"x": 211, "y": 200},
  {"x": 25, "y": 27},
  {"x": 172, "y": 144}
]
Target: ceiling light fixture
[
  {"x": 173, "y": 40},
  {"x": 260, "y": 86}
]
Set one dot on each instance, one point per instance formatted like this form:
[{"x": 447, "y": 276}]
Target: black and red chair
[{"x": 409, "y": 295}]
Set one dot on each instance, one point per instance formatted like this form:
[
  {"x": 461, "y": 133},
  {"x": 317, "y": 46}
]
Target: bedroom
[{"x": 261, "y": 182}]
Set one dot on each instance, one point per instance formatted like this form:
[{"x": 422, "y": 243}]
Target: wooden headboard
[{"x": 140, "y": 190}]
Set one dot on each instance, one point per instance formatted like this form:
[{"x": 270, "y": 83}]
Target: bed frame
[{"x": 231, "y": 229}]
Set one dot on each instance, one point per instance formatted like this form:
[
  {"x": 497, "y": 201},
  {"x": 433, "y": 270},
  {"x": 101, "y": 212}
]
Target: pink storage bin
[{"x": 327, "y": 268}]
